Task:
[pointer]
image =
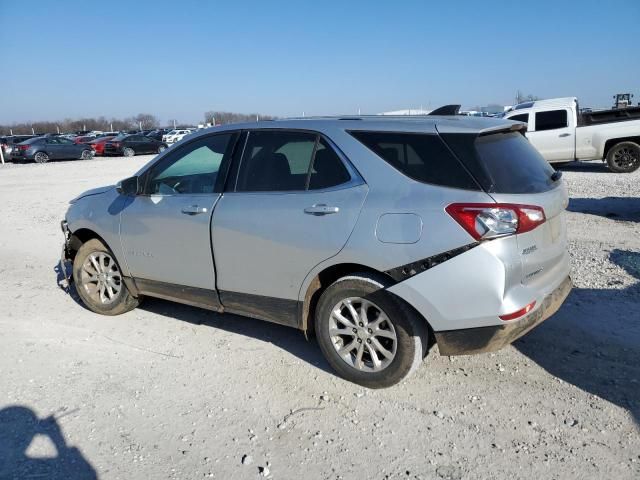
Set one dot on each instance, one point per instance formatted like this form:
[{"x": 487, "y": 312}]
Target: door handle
[
  {"x": 321, "y": 209},
  {"x": 194, "y": 210},
  {"x": 564, "y": 135}
]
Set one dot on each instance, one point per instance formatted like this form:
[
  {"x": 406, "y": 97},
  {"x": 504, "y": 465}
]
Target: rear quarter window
[{"x": 422, "y": 157}]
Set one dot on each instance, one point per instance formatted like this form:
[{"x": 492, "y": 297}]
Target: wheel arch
[
  {"x": 328, "y": 276},
  {"x": 81, "y": 236},
  {"x": 609, "y": 144}
]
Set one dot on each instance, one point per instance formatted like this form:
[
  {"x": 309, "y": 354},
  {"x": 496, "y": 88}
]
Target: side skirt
[
  {"x": 197, "y": 297},
  {"x": 271, "y": 309},
  {"x": 276, "y": 310}
]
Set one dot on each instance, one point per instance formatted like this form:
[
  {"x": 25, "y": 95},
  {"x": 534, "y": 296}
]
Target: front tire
[
  {"x": 624, "y": 157},
  {"x": 99, "y": 280},
  {"x": 41, "y": 157},
  {"x": 128, "y": 152},
  {"x": 367, "y": 334}
]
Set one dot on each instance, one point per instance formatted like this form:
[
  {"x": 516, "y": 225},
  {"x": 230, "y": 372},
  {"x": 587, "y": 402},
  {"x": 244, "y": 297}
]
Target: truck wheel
[
  {"x": 368, "y": 335},
  {"x": 99, "y": 281},
  {"x": 624, "y": 157}
]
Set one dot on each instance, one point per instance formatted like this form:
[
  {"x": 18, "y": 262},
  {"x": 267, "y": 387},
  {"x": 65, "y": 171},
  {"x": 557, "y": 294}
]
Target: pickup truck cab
[{"x": 562, "y": 134}]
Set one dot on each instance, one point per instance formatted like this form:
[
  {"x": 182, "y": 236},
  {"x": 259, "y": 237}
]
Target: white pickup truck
[{"x": 562, "y": 134}]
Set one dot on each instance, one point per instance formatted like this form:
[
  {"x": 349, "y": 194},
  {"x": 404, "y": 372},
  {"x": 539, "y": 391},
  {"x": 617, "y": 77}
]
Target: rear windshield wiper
[{"x": 557, "y": 175}]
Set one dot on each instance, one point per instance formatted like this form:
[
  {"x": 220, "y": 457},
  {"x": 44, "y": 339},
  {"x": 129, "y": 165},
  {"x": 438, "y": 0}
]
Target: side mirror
[{"x": 128, "y": 186}]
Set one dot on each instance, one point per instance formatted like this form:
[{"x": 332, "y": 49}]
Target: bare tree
[
  {"x": 520, "y": 97},
  {"x": 223, "y": 118},
  {"x": 146, "y": 120}
]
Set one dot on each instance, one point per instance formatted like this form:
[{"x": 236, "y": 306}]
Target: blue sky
[{"x": 178, "y": 59}]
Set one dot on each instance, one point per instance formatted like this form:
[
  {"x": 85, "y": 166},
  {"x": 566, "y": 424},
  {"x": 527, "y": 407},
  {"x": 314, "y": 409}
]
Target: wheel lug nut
[
  {"x": 355, "y": 330},
  {"x": 361, "y": 324},
  {"x": 368, "y": 340},
  {"x": 359, "y": 340},
  {"x": 369, "y": 330}
]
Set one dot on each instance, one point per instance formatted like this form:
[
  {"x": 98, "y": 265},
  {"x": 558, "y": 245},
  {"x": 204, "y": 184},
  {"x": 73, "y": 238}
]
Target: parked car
[
  {"x": 378, "y": 235},
  {"x": 561, "y": 133},
  {"x": 7, "y": 143},
  {"x": 130, "y": 145},
  {"x": 98, "y": 144},
  {"x": 84, "y": 139},
  {"x": 175, "y": 136},
  {"x": 43, "y": 149},
  {"x": 157, "y": 134}
]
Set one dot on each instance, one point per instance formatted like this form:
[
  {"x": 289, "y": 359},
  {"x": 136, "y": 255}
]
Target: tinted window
[
  {"x": 328, "y": 170},
  {"x": 523, "y": 117},
  {"x": 192, "y": 169},
  {"x": 551, "y": 120},
  {"x": 513, "y": 164},
  {"x": 422, "y": 157},
  {"x": 275, "y": 161}
]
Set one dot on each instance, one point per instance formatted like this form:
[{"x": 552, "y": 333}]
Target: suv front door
[
  {"x": 292, "y": 204},
  {"x": 165, "y": 230}
]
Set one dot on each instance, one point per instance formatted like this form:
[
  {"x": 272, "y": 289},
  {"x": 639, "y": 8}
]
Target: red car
[
  {"x": 83, "y": 139},
  {"x": 98, "y": 145}
]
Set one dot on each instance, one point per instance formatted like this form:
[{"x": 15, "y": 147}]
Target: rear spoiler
[{"x": 446, "y": 110}]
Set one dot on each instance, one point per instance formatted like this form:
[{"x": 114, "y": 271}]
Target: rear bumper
[{"x": 469, "y": 341}]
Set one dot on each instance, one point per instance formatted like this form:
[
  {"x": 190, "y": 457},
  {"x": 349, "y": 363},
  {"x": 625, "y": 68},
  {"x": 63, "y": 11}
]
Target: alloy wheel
[
  {"x": 100, "y": 277},
  {"x": 362, "y": 334},
  {"x": 625, "y": 158}
]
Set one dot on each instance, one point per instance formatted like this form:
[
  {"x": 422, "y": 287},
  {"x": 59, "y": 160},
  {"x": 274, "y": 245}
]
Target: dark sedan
[
  {"x": 43, "y": 149},
  {"x": 130, "y": 145}
]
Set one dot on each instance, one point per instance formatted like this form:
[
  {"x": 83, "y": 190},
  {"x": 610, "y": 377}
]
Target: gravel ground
[{"x": 170, "y": 391}]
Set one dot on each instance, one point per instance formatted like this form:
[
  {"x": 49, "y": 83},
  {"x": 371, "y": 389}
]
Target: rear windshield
[
  {"x": 422, "y": 157},
  {"x": 503, "y": 162}
]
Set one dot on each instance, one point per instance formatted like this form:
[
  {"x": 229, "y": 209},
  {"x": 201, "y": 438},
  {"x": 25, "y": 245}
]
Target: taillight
[
  {"x": 491, "y": 220},
  {"x": 24, "y": 148}
]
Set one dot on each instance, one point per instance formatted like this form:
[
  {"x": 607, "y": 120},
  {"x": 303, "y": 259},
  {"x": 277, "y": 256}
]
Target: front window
[{"x": 193, "y": 169}]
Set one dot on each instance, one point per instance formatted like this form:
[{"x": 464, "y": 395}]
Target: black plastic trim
[
  {"x": 410, "y": 269},
  {"x": 271, "y": 309},
  {"x": 197, "y": 297}
]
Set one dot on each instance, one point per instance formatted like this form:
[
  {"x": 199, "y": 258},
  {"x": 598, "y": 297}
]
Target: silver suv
[{"x": 381, "y": 236}]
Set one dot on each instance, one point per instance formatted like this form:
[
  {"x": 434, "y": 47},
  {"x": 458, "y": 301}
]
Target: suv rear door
[{"x": 292, "y": 202}]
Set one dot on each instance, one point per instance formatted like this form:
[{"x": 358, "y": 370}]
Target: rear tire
[
  {"x": 161, "y": 148},
  {"x": 368, "y": 335},
  {"x": 624, "y": 157},
  {"x": 99, "y": 280},
  {"x": 41, "y": 157},
  {"x": 128, "y": 152},
  {"x": 86, "y": 155}
]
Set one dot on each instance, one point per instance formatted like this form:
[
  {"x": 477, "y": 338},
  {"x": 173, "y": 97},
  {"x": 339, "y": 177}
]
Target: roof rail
[{"x": 446, "y": 110}]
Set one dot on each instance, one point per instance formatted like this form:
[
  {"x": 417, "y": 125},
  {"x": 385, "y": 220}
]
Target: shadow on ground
[
  {"x": 19, "y": 427},
  {"x": 286, "y": 338},
  {"x": 589, "y": 167},
  {"x": 615, "y": 208},
  {"x": 593, "y": 342}
]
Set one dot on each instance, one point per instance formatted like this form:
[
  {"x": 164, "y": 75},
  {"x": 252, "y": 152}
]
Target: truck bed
[{"x": 609, "y": 116}]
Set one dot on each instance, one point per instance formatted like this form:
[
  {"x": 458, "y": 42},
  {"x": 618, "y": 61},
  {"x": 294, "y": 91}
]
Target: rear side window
[
  {"x": 327, "y": 170},
  {"x": 422, "y": 157},
  {"x": 551, "y": 120},
  {"x": 275, "y": 161},
  {"x": 513, "y": 164}
]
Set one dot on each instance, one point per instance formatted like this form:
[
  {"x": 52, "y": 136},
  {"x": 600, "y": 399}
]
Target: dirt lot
[{"x": 170, "y": 391}]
